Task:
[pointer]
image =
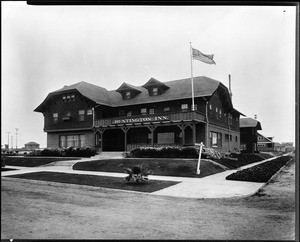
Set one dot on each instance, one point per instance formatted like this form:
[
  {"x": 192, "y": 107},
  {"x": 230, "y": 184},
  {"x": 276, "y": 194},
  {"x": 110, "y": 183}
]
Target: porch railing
[{"x": 160, "y": 117}]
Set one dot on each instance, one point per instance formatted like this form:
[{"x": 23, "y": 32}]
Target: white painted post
[{"x": 199, "y": 159}]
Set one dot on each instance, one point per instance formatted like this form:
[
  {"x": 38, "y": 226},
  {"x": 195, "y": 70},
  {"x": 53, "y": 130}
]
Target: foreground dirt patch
[{"x": 42, "y": 210}]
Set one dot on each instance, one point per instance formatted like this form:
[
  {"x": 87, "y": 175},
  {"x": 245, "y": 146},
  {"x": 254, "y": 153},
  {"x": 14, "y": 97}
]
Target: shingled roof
[
  {"x": 178, "y": 89},
  {"x": 250, "y": 122}
]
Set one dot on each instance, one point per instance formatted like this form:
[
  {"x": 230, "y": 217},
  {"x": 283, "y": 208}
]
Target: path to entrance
[{"x": 214, "y": 186}]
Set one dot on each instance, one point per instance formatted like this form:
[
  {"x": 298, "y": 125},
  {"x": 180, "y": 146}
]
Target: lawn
[
  {"x": 158, "y": 166},
  {"x": 97, "y": 181},
  {"x": 34, "y": 161}
]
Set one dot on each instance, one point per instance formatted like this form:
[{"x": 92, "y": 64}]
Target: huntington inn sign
[{"x": 141, "y": 120}]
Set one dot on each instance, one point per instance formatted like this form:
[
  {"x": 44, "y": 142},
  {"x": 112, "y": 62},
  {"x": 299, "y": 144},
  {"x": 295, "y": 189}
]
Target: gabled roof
[
  {"x": 126, "y": 86},
  {"x": 266, "y": 138},
  {"x": 250, "y": 122},
  {"x": 31, "y": 143},
  {"x": 178, "y": 89},
  {"x": 153, "y": 82},
  {"x": 95, "y": 93}
]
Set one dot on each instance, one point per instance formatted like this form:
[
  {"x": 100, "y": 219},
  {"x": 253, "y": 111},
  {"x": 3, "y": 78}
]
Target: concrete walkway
[{"x": 214, "y": 186}]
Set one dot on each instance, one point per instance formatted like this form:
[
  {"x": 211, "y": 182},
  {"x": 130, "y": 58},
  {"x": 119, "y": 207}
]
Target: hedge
[
  {"x": 260, "y": 173},
  {"x": 66, "y": 152},
  {"x": 165, "y": 152}
]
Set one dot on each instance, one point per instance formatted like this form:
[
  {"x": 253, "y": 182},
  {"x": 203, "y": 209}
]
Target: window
[
  {"x": 226, "y": 137},
  {"x": 220, "y": 113},
  {"x": 210, "y": 107},
  {"x": 127, "y": 95},
  {"x": 165, "y": 138},
  {"x": 81, "y": 115},
  {"x": 89, "y": 112},
  {"x": 195, "y": 107},
  {"x": 68, "y": 114},
  {"x": 215, "y": 139},
  {"x": 55, "y": 118},
  {"x": 155, "y": 91},
  {"x": 236, "y": 139},
  {"x": 81, "y": 140},
  {"x": 230, "y": 137},
  {"x": 184, "y": 107},
  {"x": 72, "y": 97},
  {"x": 72, "y": 141},
  {"x": 129, "y": 114},
  {"x": 151, "y": 111},
  {"x": 144, "y": 111},
  {"x": 216, "y": 110},
  {"x": 64, "y": 98},
  {"x": 167, "y": 109}
]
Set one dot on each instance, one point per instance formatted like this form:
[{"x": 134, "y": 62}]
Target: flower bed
[
  {"x": 260, "y": 173},
  {"x": 237, "y": 160}
]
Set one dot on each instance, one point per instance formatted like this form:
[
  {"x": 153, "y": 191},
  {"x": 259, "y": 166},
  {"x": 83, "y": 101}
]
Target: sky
[{"x": 44, "y": 48}]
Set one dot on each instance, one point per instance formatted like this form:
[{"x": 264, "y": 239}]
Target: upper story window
[
  {"x": 129, "y": 114},
  {"x": 127, "y": 95},
  {"x": 184, "y": 107},
  {"x": 89, "y": 112},
  {"x": 151, "y": 111},
  {"x": 68, "y": 98},
  {"x": 81, "y": 115},
  {"x": 195, "y": 107},
  {"x": 167, "y": 109},
  {"x": 144, "y": 111},
  {"x": 216, "y": 110},
  {"x": 55, "y": 118},
  {"x": 210, "y": 107},
  {"x": 155, "y": 91}
]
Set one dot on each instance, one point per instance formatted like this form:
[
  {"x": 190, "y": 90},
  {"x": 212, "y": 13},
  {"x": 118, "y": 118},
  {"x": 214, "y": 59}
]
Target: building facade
[
  {"x": 153, "y": 115},
  {"x": 249, "y": 134},
  {"x": 265, "y": 144},
  {"x": 32, "y": 145}
]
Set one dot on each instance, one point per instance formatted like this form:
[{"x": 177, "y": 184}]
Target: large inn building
[{"x": 153, "y": 115}]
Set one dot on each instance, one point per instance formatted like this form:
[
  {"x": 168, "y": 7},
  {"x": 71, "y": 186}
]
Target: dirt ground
[{"x": 43, "y": 210}]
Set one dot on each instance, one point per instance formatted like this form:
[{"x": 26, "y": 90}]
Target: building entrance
[{"x": 113, "y": 140}]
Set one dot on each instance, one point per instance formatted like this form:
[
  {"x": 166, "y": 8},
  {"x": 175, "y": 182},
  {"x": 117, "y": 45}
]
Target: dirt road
[{"x": 43, "y": 210}]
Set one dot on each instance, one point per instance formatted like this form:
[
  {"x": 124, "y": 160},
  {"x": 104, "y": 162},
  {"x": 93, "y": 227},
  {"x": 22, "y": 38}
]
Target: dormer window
[
  {"x": 128, "y": 95},
  {"x": 128, "y": 91},
  {"x": 155, "y": 87}
]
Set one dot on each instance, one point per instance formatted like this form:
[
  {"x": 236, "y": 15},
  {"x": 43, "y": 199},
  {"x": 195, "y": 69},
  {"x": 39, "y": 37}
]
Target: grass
[
  {"x": 162, "y": 166},
  {"x": 97, "y": 181},
  {"x": 260, "y": 173},
  {"x": 34, "y": 161}
]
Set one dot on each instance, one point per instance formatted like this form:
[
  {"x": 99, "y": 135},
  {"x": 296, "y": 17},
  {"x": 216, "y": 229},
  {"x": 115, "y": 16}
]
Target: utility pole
[
  {"x": 12, "y": 141},
  {"x": 8, "y": 139},
  {"x": 17, "y": 138}
]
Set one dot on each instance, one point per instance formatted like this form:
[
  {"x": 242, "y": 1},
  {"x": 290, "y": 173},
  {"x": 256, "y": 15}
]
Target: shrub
[
  {"x": 69, "y": 152},
  {"x": 138, "y": 173},
  {"x": 3, "y": 163},
  {"x": 165, "y": 152},
  {"x": 260, "y": 173}
]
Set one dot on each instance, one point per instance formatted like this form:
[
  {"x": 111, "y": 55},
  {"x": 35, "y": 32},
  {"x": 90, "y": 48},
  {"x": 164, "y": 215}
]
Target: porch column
[
  {"x": 125, "y": 130},
  {"x": 194, "y": 133},
  {"x": 152, "y": 128},
  {"x": 182, "y": 128}
]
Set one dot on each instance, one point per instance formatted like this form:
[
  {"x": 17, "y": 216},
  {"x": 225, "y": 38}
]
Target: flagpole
[{"x": 192, "y": 78}]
